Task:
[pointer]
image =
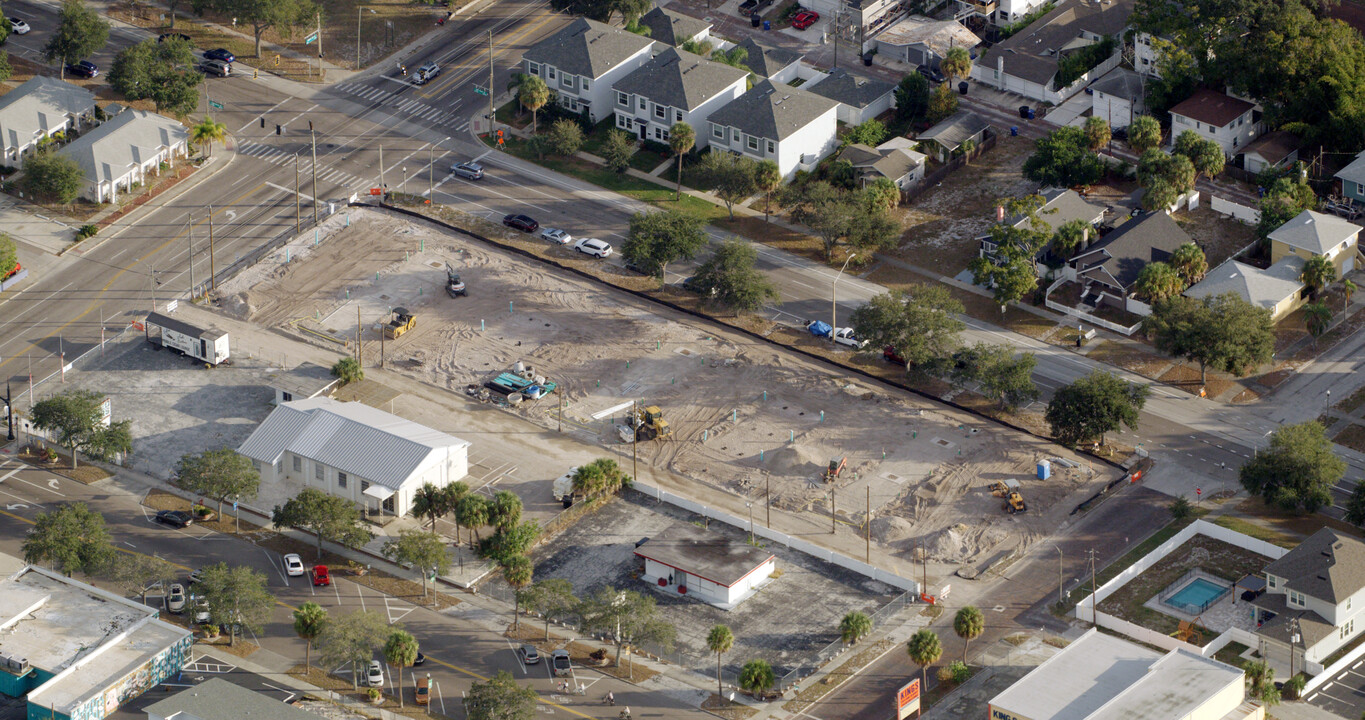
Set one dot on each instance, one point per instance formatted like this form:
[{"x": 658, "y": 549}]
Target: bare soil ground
[
  {"x": 1352, "y": 437},
  {"x": 746, "y": 415},
  {"x": 1219, "y": 236}
]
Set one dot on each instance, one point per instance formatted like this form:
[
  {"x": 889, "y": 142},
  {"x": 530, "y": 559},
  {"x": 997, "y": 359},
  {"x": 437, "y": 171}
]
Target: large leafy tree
[
  {"x": 565, "y": 137},
  {"x": 731, "y": 177},
  {"x": 553, "y": 598},
  {"x": 656, "y": 239},
  {"x": 500, "y": 698},
  {"x": 844, "y": 217},
  {"x": 424, "y": 551},
  {"x": 1158, "y": 281},
  {"x": 328, "y": 517},
  {"x": 351, "y": 640},
  {"x": 71, "y": 538},
  {"x": 138, "y": 574},
  {"x": 159, "y": 71},
  {"x": 1096, "y": 404},
  {"x": 1283, "y": 201},
  {"x": 922, "y": 322},
  {"x": 1297, "y": 470},
  {"x": 730, "y": 280},
  {"x": 9, "y": 255},
  {"x": 219, "y": 474},
  {"x": 968, "y": 623},
  {"x": 1224, "y": 332},
  {"x": 628, "y": 616},
  {"x": 1063, "y": 158},
  {"x": 309, "y": 620},
  {"x": 719, "y": 641},
  {"x": 76, "y": 417},
  {"x": 1355, "y": 507},
  {"x": 284, "y": 16},
  {"x": 1011, "y": 273},
  {"x": 617, "y": 149},
  {"x": 81, "y": 32},
  {"x": 237, "y": 597},
  {"x": 924, "y": 650},
  {"x": 942, "y": 103},
  {"x": 400, "y": 650},
  {"x": 999, "y": 374},
  {"x": 52, "y": 177},
  {"x": 912, "y": 96}
]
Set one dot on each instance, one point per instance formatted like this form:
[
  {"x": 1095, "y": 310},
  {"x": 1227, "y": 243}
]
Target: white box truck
[{"x": 206, "y": 344}]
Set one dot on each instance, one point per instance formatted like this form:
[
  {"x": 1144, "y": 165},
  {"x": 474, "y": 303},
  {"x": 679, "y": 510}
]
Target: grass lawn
[
  {"x": 1113, "y": 569},
  {"x": 593, "y": 140},
  {"x": 1231, "y": 654},
  {"x": 1293, "y": 525},
  {"x": 1259, "y": 532}
]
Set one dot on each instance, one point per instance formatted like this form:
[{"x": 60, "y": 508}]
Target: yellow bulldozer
[
  {"x": 650, "y": 423},
  {"x": 401, "y": 322},
  {"x": 1004, "y": 488},
  {"x": 1014, "y": 503}
]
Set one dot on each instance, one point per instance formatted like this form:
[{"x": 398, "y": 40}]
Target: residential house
[
  {"x": 673, "y": 28},
  {"x": 1147, "y": 54},
  {"x": 1109, "y": 269},
  {"x": 791, "y": 127},
  {"x": 1276, "y": 288},
  {"x": 859, "y": 98},
  {"x": 1352, "y": 179},
  {"x": 38, "y": 109},
  {"x": 867, "y": 16},
  {"x": 1224, "y": 119},
  {"x": 675, "y": 86},
  {"x": 944, "y": 140},
  {"x": 122, "y": 151},
  {"x": 1118, "y": 98},
  {"x": 919, "y": 40},
  {"x": 1314, "y": 592},
  {"x": 353, "y": 451},
  {"x": 1311, "y": 234},
  {"x": 1277, "y": 149},
  {"x": 896, "y": 160},
  {"x": 777, "y": 64},
  {"x": 1027, "y": 62},
  {"x": 581, "y": 63},
  {"x": 1060, "y": 206}
]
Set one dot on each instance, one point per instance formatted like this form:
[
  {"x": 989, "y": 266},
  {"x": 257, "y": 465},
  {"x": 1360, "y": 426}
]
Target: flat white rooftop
[{"x": 1078, "y": 680}]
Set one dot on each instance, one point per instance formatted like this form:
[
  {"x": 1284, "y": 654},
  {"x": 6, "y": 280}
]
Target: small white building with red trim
[{"x": 689, "y": 560}]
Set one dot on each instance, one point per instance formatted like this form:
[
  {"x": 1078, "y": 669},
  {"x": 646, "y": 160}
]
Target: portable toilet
[{"x": 1044, "y": 469}]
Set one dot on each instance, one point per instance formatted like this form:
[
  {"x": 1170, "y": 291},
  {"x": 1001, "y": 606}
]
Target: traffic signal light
[
  {"x": 279, "y": 130},
  {"x": 263, "y": 122}
]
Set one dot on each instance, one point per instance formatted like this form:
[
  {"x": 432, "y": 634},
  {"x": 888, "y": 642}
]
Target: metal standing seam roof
[
  {"x": 1315, "y": 232},
  {"x": 1262, "y": 288},
  {"x": 39, "y": 105},
  {"x": 1212, "y": 107},
  {"x": 852, "y": 90},
  {"x": 587, "y": 48},
  {"x": 767, "y": 61},
  {"x": 774, "y": 112},
  {"x": 670, "y": 27},
  {"x": 352, "y": 437},
  {"x": 678, "y": 79},
  {"x": 133, "y": 137}
]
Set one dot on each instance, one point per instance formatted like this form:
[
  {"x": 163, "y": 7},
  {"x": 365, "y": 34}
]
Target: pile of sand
[
  {"x": 962, "y": 543},
  {"x": 794, "y": 459}
]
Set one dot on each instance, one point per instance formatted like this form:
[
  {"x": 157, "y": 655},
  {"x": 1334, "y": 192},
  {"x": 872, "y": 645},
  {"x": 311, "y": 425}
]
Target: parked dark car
[
  {"x": 220, "y": 54},
  {"x": 175, "y": 518},
  {"x": 931, "y": 74},
  {"x": 521, "y": 222},
  {"x": 84, "y": 69}
]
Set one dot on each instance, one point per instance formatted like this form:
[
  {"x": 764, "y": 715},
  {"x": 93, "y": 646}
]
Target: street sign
[
  {"x": 311, "y": 38},
  {"x": 907, "y": 700},
  {"x": 215, "y": 105},
  {"x": 480, "y": 91},
  {"x": 376, "y": 191}
]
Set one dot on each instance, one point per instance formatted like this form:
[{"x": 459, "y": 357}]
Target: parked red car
[
  {"x": 805, "y": 19},
  {"x": 889, "y": 355},
  {"x": 321, "y": 577}
]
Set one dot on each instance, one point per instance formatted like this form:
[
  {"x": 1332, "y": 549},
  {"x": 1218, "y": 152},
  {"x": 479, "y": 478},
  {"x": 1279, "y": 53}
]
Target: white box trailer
[{"x": 206, "y": 344}]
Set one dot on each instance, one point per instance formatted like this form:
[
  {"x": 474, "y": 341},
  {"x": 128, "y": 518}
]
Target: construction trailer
[{"x": 208, "y": 345}]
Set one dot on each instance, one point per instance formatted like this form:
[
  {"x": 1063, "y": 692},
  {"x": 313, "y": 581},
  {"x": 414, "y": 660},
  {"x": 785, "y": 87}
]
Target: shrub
[
  {"x": 960, "y": 672},
  {"x": 598, "y": 655},
  {"x": 372, "y": 694},
  {"x": 657, "y": 147},
  {"x": 87, "y": 231}
]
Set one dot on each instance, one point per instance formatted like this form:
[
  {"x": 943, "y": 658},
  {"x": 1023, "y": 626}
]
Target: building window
[
  {"x": 298, "y": 464},
  {"x": 753, "y": 142},
  {"x": 771, "y": 147},
  {"x": 717, "y": 132},
  {"x": 659, "y": 112},
  {"x": 1272, "y": 582},
  {"x": 318, "y": 472},
  {"x": 644, "y": 105},
  {"x": 622, "y": 99},
  {"x": 364, "y": 485},
  {"x": 677, "y": 116},
  {"x": 341, "y": 479},
  {"x": 585, "y": 85},
  {"x": 735, "y": 135},
  {"x": 549, "y": 72},
  {"x": 1296, "y": 598},
  {"x": 1347, "y": 630},
  {"x": 533, "y": 68}
]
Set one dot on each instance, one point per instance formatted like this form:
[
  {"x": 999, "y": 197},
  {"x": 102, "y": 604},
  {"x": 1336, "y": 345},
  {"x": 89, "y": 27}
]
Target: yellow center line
[
  {"x": 472, "y": 64},
  {"x": 96, "y": 303}
]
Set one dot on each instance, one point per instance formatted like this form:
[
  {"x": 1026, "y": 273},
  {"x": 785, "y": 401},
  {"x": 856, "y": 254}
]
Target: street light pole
[
  {"x": 833, "y": 298},
  {"x": 1060, "y": 598}
]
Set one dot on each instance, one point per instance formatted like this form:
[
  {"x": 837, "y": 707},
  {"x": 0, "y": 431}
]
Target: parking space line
[
  {"x": 358, "y": 592},
  {"x": 40, "y": 487}
]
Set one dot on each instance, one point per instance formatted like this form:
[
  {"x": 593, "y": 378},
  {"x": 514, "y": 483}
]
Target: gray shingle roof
[
  {"x": 673, "y": 28},
  {"x": 891, "y": 161},
  {"x": 1032, "y": 53},
  {"x": 1315, "y": 232},
  {"x": 1328, "y": 565},
  {"x": 764, "y": 61},
  {"x": 1117, "y": 259},
  {"x": 219, "y": 699},
  {"x": 1121, "y": 83},
  {"x": 937, "y": 35},
  {"x": 131, "y": 137},
  {"x": 851, "y": 90},
  {"x": 704, "y": 553},
  {"x": 1062, "y": 205},
  {"x": 1355, "y": 171},
  {"x": 679, "y": 79},
  {"x": 39, "y": 105},
  {"x": 1312, "y": 627},
  {"x": 351, "y": 437},
  {"x": 773, "y": 112},
  {"x": 1262, "y": 288},
  {"x": 1274, "y": 146},
  {"x": 952, "y": 130},
  {"x": 587, "y": 48}
]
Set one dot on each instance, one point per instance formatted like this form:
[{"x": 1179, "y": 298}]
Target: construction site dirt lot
[{"x": 748, "y": 417}]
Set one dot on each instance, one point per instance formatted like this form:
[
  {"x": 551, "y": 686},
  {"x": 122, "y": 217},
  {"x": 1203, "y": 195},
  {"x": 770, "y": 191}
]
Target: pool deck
[{"x": 1227, "y": 612}]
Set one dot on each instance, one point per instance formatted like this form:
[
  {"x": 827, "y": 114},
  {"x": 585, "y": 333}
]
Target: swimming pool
[{"x": 1197, "y": 596}]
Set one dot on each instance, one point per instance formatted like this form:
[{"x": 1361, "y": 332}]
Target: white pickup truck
[{"x": 563, "y": 486}]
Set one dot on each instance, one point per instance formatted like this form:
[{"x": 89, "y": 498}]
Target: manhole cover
[
  {"x": 942, "y": 443},
  {"x": 435, "y": 264},
  {"x": 684, "y": 351},
  {"x": 893, "y": 477}
]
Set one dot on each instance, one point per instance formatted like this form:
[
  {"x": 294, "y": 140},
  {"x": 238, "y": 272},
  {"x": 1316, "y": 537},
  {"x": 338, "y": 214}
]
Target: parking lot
[{"x": 1344, "y": 694}]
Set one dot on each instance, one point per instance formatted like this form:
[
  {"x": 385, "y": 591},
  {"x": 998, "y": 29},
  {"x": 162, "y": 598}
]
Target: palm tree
[
  {"x": 719, "y": 641},
  {"x": 532, "y": 93},
  {"x": 207, "y": 132},
  {"x": 1189, "y": 261},
  {"x": 969, "y": 623},
  {"x": 1067, "y": 239},
  {"x": 400, "y": 650},
  {"x": 681, "y": 138},
  {"x": 1318, "y": 273},
  {"x": 473, "y": 513},
  {"x": 1097, "y": 133},
  {"x": 1347, "y": 288},
  {"x": 968, "y": 147},
  {"x": 957, "y": 63},
  {"x": 517, "y": 572},
  {"x": 452, "y": 494},
  {"x": 757, "y": 676},
  {"x": 1144, "y": 134},
  {"x": 768, "y": 178},
  {"x": 854, "y": 627},
  {"x": 1158, "y": 281},
  {"x": 1317, "y": 317},
  {"x": 1260, "y": 678},
  {"x": 429, "y": 501},
  {"x": 309, "y": 620},
  {"x": 924, "y": 649}
]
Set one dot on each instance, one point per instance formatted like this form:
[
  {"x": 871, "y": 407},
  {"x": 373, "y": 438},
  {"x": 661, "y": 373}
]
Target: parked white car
[
  {"x": 594, "y": 247},
  {"x": 18, "y": 27},
  {"x": 557, "y": 236},
  {"x": 375, "y": 677},
  {"x": 845, "y": 336},
  {"x": 293, "y": 565},
  {"x": 175, "y": 599}
]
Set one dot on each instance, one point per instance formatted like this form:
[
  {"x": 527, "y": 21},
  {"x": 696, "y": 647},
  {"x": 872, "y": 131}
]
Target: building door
[
  {"x": 388, "y": 502},
  {"x": 644, "y": 131}
]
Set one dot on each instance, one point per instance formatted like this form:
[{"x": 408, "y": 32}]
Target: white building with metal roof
[{"x": 352, "y": 450}]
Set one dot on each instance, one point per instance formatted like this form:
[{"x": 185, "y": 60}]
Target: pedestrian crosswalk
[
  {"x": 405, "y": 105},
  {"x": 276, "y": 156}
]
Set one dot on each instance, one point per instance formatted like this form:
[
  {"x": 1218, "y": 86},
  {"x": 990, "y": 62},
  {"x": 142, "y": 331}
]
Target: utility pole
[
  {"x": 357, "y": 38},
  {"x": 831, "y": 511},
  {"x": 382, "y": 186},
  {"x": 189, "y": 228},
  {"x": 320, "y": 71},
  {"x": 298, "y": 198},
  {"x": 635, "y": 434},
  {"x": 492, "y": 118},
  {"x": 9, "y": 410},
  {"x": 315, "y": 170},
  {"x": 867, "y": 528},
  {"x": 359, "y": 356},
  {"x": 768, "y": 501},
  {"x": 431, "y": 173},
  {"x": 213, "y": 271},
  {"x": 1061, "y": 599}
]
